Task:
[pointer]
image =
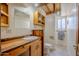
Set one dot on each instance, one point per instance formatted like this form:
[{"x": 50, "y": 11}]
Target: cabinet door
[
  {"x": 36, "y": 17},
  {"x": 17, "y": 51},
  {"x": 20, "y": 51},
  {"x": 36, "y": 48},
  {"x": 26, "y": 53},
  {"x": 39, "y": 48}
]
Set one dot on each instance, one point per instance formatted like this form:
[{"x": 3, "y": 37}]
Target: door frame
[{"x": 77, "y": 31}]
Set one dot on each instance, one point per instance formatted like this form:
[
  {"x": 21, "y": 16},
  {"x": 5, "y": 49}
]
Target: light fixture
[{"x": 36, "y": 4}]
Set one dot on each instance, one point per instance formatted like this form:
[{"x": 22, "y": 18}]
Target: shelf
[
  {"x": 41, "y": 21},
  {"x": 2, "y": 12},
  {"x": 39, "y": 24},
  {"x": 3, "y": 25},
  {"x": 7, "y": 4},
  {"x": 4, "y": 15}
]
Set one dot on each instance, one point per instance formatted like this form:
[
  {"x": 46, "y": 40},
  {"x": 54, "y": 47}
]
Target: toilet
[{"x": 48, "y": 48}]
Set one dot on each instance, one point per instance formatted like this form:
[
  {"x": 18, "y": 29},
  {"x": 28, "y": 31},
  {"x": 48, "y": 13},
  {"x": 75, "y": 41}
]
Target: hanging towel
[{"x": 61, "y": 35}]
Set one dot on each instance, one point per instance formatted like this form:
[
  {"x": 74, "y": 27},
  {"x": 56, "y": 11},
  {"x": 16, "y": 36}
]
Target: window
[
  {"x": 61, "y": 24},
  {"x": 71, "y": 22}
]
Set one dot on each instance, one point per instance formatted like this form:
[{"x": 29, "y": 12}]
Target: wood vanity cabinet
[
  {"x": 36, "y": 49},
  {"x": 27, "y": 50},
  {"x": 40, "y": 33},
  {"x": 14, "y": 52},
  {"x": 18, "y": 51},
  {"x": 33, "y": 48}
]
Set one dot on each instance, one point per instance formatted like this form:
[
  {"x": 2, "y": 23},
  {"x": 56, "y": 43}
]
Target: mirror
[{"x": 21, "y": 20}]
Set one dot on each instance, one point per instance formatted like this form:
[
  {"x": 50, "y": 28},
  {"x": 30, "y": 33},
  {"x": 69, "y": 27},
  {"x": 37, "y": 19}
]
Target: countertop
[{"x": 10, "y": 44}]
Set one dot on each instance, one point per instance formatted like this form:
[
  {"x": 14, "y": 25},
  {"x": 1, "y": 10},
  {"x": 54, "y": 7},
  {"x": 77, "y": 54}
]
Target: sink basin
[{"x": 30, "y": 38}]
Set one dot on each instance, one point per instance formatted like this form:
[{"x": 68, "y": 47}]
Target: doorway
[
  {"x": 61, "y": 31},
  {"x": 66, "y": 34}
]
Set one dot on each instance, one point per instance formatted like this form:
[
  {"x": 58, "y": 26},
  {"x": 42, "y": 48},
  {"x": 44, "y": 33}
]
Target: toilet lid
[{"x": 47, "y": 44}]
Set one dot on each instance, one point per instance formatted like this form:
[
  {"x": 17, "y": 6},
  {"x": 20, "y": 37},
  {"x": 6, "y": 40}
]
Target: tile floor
[{"x": 58, "y": 51}]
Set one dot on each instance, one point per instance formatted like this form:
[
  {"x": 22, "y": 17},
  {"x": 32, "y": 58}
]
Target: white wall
[
  {"x": 11, "y": 31},
  {"x": 67, "y": 9},
  {"x": 71, "y": 31},
  {"x": 21, "y": 20},
  {"x": 29, "y": 11},
  {"x": 49, "y": 29},
  {"x": 71, "y": 36}
]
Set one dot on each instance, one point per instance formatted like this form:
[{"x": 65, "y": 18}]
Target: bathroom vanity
[
  {"x": 16, "y": 39},
  {"x": 25, "y": 46}
]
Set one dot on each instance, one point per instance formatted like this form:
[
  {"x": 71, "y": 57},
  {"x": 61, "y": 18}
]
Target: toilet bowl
[{"x": 48, "y": 47}]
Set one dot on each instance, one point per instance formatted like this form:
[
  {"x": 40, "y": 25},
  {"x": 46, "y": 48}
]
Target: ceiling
[
  {"x": 68, "y": 9},
  {"x": 51, "y": 7},
  {"x": 63, "y": 9},
  {"x": 24, "y": 5},
  {"x": 48, "y": 8},
  {"x": 19, "y": 13}
]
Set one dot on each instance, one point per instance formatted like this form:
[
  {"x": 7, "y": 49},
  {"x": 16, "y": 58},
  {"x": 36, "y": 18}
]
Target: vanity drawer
[{"x": 15, "y": 52}]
